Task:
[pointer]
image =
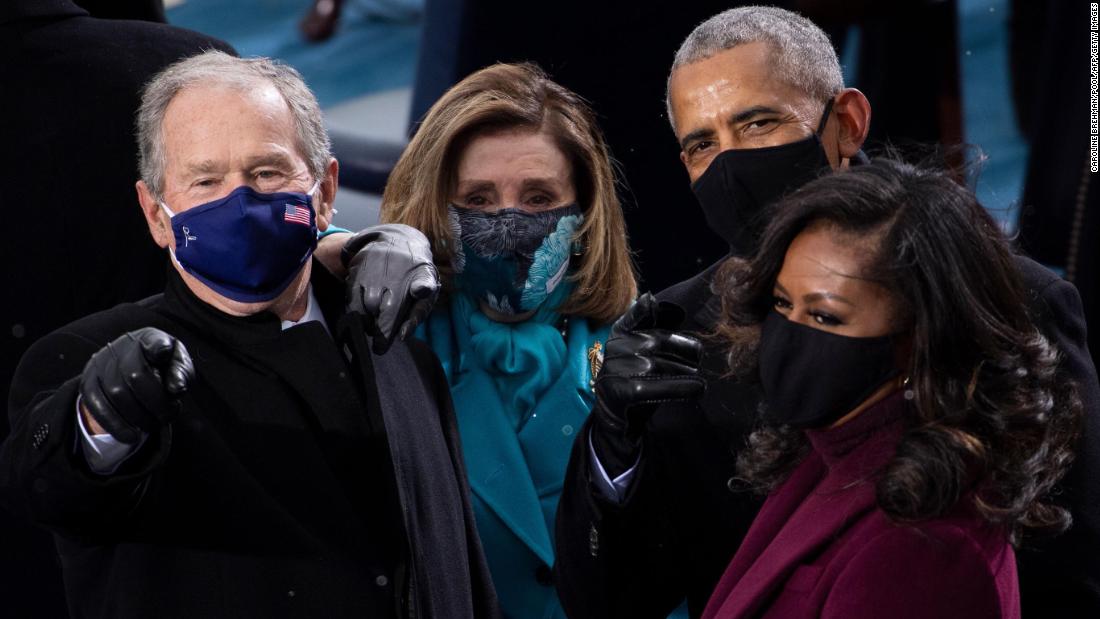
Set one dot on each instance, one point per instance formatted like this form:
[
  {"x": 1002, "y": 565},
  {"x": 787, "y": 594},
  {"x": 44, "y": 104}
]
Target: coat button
[
  {"x": 381, "y": 581},
  {"x": 544, "y": 576},
  {"x": 593, "y": 541}
]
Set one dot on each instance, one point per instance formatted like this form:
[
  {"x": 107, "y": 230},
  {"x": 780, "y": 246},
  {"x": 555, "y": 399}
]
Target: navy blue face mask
[{"x": 248, "y": 246}]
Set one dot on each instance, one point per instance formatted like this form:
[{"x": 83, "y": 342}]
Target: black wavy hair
[{"x": 992, "y": 419}]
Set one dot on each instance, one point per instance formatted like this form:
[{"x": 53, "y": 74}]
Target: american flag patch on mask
[{"x": 296, "y": 214}]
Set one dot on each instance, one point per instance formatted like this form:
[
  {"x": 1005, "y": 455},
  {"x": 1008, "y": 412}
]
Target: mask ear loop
[
  {"x": 825, "y": 116},
  {"x": 821, "y": 125},
  {"x": 316, "y": 185}
]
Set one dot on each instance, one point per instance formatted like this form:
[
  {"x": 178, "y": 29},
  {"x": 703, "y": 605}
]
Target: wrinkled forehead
[
  {"x": 740, "y": 77},
  {"x": 206, "y": 121}
]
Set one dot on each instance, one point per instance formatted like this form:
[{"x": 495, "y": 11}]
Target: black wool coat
[
  {"x": 303, "y": 477},
  {"x": 685, "y": 515}
]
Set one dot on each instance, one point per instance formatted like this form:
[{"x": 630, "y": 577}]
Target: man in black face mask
[{"x": 651, "y": 512}]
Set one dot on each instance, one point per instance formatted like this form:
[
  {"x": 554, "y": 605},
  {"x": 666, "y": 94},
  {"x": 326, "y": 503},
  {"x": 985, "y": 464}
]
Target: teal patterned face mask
[{"x": 511, "y": 259}]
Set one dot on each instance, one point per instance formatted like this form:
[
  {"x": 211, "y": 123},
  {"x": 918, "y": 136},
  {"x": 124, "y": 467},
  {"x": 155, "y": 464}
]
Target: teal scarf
[{"x": 521, "y": 359}]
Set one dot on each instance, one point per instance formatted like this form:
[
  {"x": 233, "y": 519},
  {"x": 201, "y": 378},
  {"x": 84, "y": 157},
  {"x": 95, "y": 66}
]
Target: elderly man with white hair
[
  {"x": 231, "y": 447},
  {"x": 652, "y": 509}
]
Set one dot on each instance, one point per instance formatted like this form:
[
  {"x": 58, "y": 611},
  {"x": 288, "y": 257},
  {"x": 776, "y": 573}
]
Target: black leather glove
[
  {"x": 645, "y": 364},
  {"x": 391, "y": 280},
  {"x": 132, "y": 385}
]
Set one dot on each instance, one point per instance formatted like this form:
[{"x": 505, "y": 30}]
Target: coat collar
[
  {"x": 18, "y": 10},
  {"x": 260, "y": 343},
  {"x": 247, "y": 330},
  {"x": 825, "y": 495}
]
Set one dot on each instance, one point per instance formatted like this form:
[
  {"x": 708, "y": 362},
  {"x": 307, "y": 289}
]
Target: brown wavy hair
[
  {"x": 505, "y": 97},
  {"x": 993, "y": 421}
]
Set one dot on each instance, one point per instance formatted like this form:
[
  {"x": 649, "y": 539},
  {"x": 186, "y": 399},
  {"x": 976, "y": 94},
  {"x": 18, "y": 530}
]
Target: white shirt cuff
[
  {"x": 103, "y": 452},
  {"x": 611, "y": 489}
]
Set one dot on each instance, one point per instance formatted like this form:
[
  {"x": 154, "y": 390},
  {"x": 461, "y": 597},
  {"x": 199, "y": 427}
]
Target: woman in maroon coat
[{"x": 914, "y": 421}]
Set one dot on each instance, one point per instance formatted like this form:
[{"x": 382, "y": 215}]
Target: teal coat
[{"x": 516, "y": 477}]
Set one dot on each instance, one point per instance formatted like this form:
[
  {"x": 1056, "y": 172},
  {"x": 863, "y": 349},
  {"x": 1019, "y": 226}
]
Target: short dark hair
[{"x": 992, "y": 420}]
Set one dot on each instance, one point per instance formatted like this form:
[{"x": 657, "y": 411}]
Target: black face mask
[
  {"x": 812, "y": 377},
  {"x": 739, "y": 185}
]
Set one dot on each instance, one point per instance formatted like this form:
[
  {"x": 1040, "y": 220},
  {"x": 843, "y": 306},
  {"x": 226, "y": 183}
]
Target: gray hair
[
  {"x": 801, "y": 53},
  {"x": 220, "y": 69}
]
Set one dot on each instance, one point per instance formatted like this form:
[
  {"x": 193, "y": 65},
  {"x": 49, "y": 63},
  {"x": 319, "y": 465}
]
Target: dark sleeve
[
  {"x": 43, "y": 473},
  {"x": 1063, "y": 574},
  {"x": 906, "y": 574},
  {"x": 613, "y": 560}
]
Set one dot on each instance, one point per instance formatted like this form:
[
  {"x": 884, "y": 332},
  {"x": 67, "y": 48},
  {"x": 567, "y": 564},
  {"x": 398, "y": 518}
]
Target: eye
[
  {"x": 759, "y": 124},
  {"x": 205, "y": 182},
  {"x": 825, "y": 319},
  {"x": 780, "y": 303},
  {"x": 476, "y": 200},
  {"x": 540, "y": 199},
  {"x": 700, "y": 146},
  {"x": 268, "y": 174}
]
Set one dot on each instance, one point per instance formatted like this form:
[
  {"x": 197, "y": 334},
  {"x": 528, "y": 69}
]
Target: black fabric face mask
[
  {"x": 739, "y": 185},
  {"x": 812, "y": 377}
]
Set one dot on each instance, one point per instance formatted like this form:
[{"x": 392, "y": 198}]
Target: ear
[
  {"x": 853, "y": 121},
  {"x": 159, "y": 225},
  {"x": 327, "y": 196}
]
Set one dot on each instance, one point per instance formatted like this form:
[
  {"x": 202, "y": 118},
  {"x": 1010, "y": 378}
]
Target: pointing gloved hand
[
  {"x": 391, "y": 280},
  {"x": 132, "y": 385},
  {"x": 645, "y": 364}
]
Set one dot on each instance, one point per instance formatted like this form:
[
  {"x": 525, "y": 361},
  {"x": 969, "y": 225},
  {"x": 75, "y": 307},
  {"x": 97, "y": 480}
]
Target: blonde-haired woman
[{"x": 510, "y": 179}]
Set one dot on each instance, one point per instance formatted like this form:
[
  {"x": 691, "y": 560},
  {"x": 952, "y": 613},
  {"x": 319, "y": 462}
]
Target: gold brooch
[{"x": 595, "y": 362}]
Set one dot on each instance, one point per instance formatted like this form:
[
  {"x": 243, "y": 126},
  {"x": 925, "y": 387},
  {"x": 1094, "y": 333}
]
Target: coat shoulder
[{"x": 957, "y": 567}]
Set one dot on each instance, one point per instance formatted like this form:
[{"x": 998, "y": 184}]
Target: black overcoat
[
  {"x": 303, "y": 477},
  {"x": 685, "y": 515}
]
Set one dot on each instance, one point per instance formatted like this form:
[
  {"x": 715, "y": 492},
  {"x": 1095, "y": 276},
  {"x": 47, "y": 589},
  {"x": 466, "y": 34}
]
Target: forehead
[
  {"x": 741, "y": 76},
  {"x": 824, "y": 258},
  {"x": 512, "y": 152},
  {"x": 203, "y": 121}
]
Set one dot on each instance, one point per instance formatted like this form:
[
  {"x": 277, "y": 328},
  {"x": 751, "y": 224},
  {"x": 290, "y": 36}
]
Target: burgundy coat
[{"x": 821, "y": 548}]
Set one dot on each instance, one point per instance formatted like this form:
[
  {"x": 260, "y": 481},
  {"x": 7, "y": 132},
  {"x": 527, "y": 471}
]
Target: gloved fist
[
  {"x": 391, "y": 280},
  {"x": 132, "y": 385},
  {"x": 645, "y": 364}
]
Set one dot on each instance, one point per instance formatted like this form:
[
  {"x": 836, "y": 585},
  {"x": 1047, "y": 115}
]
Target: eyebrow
[
  {"x": 816, "y": 296},
  {"x": 270, "y": 159},
  {"x": 741, "y": 116},
  {"x": 549, "y": 182},
  {"x": 203, "y": 167},
  {"x": 752, "y": 112},
  {"x": 475, "y": 185}
]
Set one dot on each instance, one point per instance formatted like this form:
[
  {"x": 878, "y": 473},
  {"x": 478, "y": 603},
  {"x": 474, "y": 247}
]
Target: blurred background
[{"x": 1009, "y": 78}]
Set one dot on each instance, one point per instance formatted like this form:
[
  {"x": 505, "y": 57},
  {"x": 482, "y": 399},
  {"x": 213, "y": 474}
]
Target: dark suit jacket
[
  {"x": 299, "y": 480},
  {"x": 685, "y": 516},
  {"x": 71, "y": 87},
  {"x": 820, "y": 548}
]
